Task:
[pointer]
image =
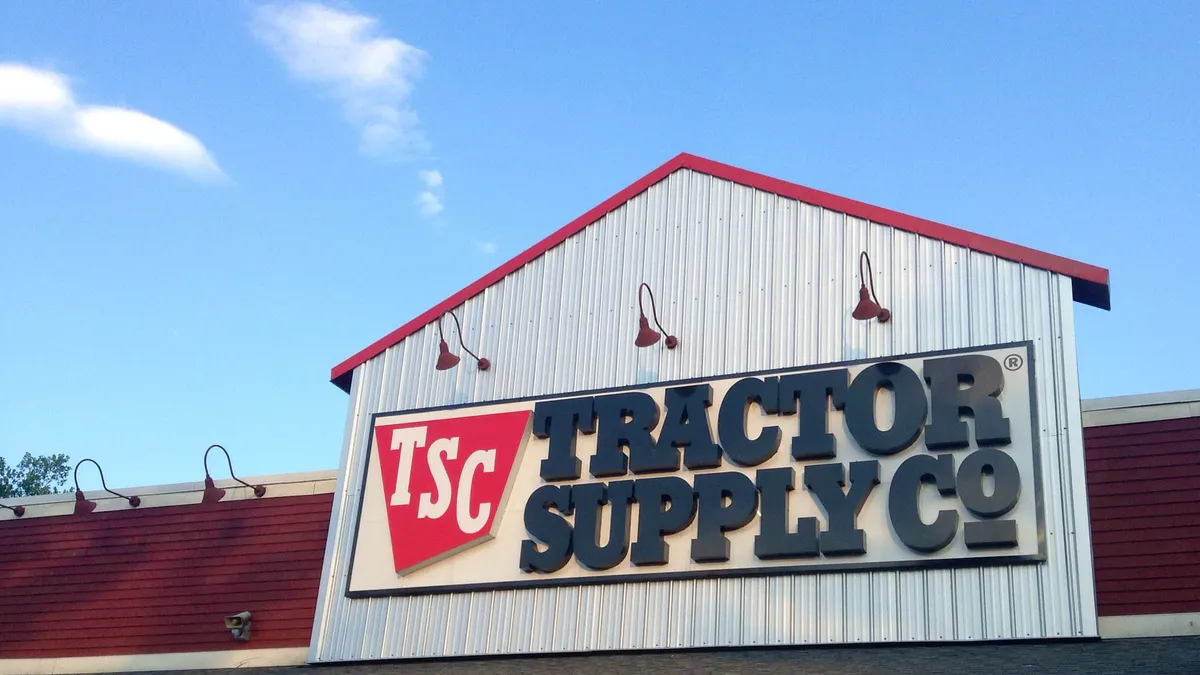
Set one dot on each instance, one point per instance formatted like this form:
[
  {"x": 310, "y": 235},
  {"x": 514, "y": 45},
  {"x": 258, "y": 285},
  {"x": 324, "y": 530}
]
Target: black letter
[
  {"x": 985, "y": 381},
  {"x": 665, "y": 506},
  {"x": 731, "y": 421},
  {"x": 997, "y": 533},
  {"x": 905, "y": 496},
  {"x": 686, "y": 426},
  {"x": 558, "y": 420},
  {"x": 588, "y": 499},
  {"x": 826, "y": 481},
  {"x": 616, "y": 432},
  {"x": 773, "y": 539},
  {"x": 553, "y": 531},
  {"x": 714, "y": 518},
  {"x": 909, "y": 395},
  {"x": 814, "y": 390}
]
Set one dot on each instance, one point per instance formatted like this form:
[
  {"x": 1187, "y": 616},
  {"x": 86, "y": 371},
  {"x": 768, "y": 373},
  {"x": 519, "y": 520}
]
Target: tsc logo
[{"x": 446, "y": 481}]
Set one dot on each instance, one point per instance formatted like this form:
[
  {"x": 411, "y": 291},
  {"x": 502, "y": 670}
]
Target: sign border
[{"x": 984, "y": 561}]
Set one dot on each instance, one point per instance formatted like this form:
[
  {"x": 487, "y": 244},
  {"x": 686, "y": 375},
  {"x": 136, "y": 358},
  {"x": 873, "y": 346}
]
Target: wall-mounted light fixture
[
  {"x": 239, "y": 625},
  {"x": 83, "y": 505},
  {"x": 868, "y": 305},
  {"x": 446, "y": 359},
  {"x": 17, "y": 510},
  {"x": 646, "y": 335},
  {"x": 212, "y": 493}
]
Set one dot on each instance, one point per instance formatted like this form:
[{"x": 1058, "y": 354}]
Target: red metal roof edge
[{"x": 1090, "y": 282}]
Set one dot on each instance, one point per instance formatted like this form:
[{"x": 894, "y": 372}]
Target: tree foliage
[{"x": 34, "y": 475}]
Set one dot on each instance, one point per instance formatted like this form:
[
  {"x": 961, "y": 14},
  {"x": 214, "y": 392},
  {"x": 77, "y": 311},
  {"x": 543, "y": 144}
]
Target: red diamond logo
[{"x": 446, "y": 482}]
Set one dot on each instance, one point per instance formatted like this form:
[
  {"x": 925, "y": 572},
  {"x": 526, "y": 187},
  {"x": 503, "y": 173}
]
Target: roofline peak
[{"x": 1089, "y": 283}]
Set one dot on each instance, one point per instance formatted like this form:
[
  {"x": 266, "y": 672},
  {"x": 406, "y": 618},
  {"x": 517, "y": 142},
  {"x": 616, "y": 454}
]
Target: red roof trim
[{"x": 1091, "y": 283}]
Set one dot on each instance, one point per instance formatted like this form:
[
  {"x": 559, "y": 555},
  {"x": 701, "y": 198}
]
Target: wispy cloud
[
  {"x": 487, "y": 247},
  {"x": 40, "y": 102},
  {"x": 429, "y": 204},
  {"x": 371, "y": 75},
  {"x": 432, "y": 178}
]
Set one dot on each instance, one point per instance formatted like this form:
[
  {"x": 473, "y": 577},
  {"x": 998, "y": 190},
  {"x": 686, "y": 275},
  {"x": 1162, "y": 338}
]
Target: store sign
[{"x": 921, "y": 460}]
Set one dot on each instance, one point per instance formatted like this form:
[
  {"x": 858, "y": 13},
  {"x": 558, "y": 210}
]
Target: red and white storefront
[{"x": 452, "y": 527}]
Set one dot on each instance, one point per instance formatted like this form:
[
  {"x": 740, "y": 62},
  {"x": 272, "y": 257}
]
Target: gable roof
[{"x": 1089, "y": 283}]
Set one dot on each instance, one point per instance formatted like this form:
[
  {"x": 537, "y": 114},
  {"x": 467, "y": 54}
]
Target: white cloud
[
  {"x": 29, "y": 92},
  {"x": 487, "y": 247},
  {"x": 40, "y": 102},
  {"x": 432, "y": 178},
  {"x": 371, "y": 75},
  {"x": 429, "y": 203}
]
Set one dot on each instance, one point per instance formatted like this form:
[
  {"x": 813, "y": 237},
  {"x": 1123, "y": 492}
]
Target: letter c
[{"x": 482, "y": 459}]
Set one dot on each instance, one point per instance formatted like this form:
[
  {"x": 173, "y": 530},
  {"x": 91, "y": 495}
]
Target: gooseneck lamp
[
  {"x": 646, "y": 335},
  {"x": 447, "y": 359},
  {"x": 17, "y": 510},
  {"x": 212, "y": 493},
  {"x": 84, "y": 505},
  {"x": 868, "y": 305}
]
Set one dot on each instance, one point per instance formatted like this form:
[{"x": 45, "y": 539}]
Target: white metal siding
[{"x": 748, "y": 281}]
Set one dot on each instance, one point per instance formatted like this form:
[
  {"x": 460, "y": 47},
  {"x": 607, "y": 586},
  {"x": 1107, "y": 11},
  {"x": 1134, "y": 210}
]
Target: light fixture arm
[
  {"x": 259, "y": 490},
  {"x": 483, "y": 363},
  {"x": 672, "y": 341},
  {"x": 869, "y": 276},
  {"x": 17, "y": 510},
  {"x": 134, "y": 501},
  {"x": 653, "y": 308},
  {"x": 869, "y": 307}
]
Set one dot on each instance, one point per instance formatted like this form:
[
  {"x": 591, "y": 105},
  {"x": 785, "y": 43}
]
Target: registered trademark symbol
[{"x": 1013, "y": 362}]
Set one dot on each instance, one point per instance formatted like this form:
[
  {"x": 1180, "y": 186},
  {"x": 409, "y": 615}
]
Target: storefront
[{"x": 716, "y": 411}]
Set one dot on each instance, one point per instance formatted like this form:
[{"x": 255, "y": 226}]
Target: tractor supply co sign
[{"x": 922, "y": 460}]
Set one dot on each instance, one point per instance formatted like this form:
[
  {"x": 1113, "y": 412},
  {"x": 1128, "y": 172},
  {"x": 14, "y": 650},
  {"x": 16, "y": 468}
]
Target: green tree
[{"x": 34, "y": 476}]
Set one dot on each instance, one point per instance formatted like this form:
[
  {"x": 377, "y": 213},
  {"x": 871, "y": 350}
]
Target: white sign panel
[{"x": 922, "y": 460}]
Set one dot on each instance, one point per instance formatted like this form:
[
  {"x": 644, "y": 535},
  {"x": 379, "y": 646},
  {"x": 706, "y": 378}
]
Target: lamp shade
[
  {"x": 212, "y": 493},
  {"x": 867, "y": 308},
  {"x": 83, "y": 506},
  {"x": 446, "y": 360},
  {"x": 646, "y": 335}
]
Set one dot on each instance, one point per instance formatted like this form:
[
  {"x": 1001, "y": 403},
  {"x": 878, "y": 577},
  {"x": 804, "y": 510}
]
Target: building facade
[
  {"x": 751, "y": 275},
  {"x": 695, "y": 428}
]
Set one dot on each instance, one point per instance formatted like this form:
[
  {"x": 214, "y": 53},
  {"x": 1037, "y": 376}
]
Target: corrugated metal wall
[{"x": 748, "y": 281}]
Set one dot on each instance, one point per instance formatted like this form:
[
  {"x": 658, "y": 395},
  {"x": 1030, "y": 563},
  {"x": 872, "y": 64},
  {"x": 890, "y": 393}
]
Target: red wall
[
  {"x": 161, "y": 579},
  {"x": 1144, "y": 494}
]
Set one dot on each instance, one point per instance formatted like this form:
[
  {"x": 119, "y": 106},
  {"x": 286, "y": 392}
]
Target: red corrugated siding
[
  {"x": 162, "y": 579},
  {"x": 1144, "y": 492}
]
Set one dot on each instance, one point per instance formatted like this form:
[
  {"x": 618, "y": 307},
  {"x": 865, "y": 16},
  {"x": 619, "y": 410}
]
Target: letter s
[
  {"x": 427, "y": 508},
  {"x": 486, "y": 460}
]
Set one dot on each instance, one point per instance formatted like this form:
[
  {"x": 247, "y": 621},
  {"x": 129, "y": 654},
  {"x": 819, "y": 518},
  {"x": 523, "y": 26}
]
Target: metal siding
[
  {"x": 680, "y": 622},
  {"x": 885, "y": 617},
  {"x": 747, "y": 280}
]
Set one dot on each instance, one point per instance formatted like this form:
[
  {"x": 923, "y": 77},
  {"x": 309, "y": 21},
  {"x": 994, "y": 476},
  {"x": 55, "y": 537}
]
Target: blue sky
[{"x": 205, "y": 206}]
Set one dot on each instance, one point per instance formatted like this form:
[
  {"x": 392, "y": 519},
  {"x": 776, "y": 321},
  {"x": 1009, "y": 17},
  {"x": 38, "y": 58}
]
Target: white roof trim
[
  {"x": 1168, "y": 405},
  {"x": 1142, "y": 400},
  {"x": 177, "y": 494},
  {"x": 127, "y": 663}
]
